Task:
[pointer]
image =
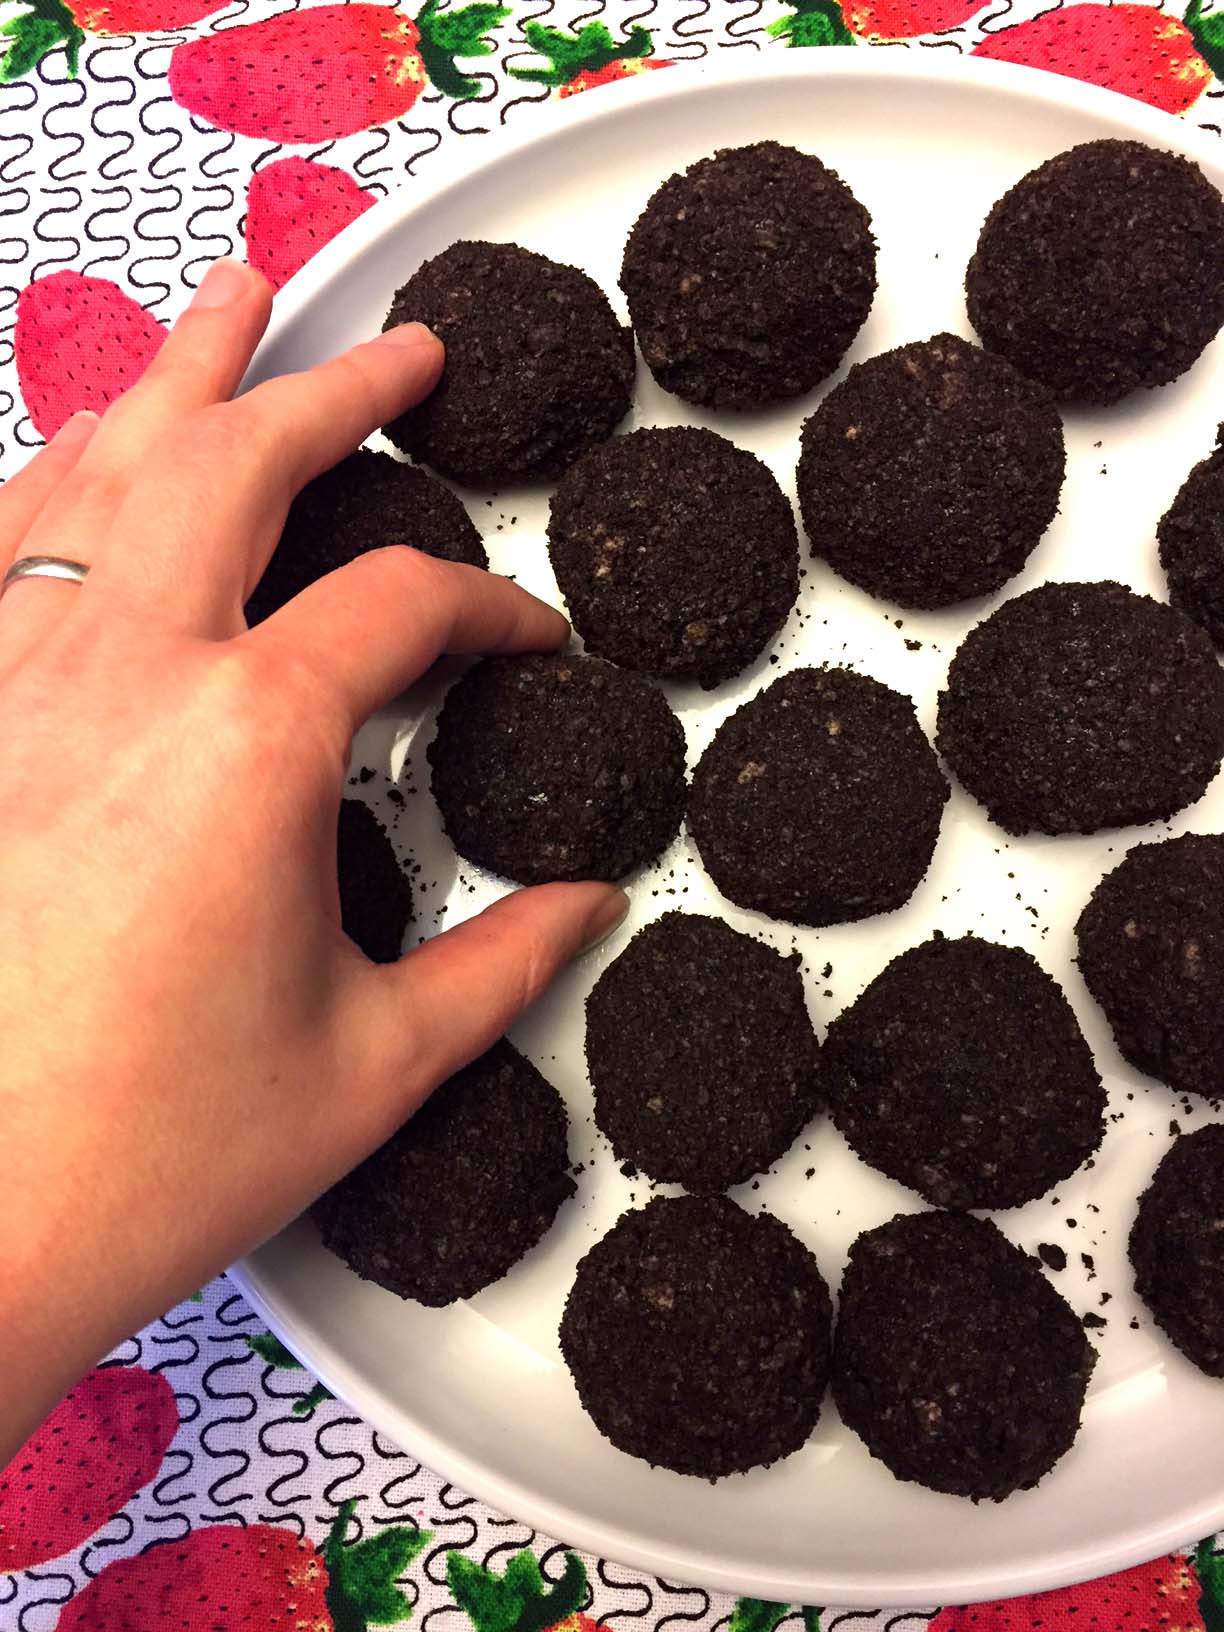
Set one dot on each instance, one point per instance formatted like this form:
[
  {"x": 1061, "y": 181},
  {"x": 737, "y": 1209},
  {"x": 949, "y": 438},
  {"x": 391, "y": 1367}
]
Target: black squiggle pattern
[{"x": 97, "y": 1552}]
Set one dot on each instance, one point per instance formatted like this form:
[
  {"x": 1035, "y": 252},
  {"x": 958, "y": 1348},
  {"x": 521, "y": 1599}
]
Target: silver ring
[{"x": 45, "y": 566}]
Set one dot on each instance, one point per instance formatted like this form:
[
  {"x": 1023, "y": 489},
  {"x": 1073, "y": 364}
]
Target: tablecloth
[{"x": 233, "y": 1490}]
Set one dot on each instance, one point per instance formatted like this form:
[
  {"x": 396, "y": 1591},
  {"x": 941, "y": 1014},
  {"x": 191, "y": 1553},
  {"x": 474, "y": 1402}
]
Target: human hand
[{"x": 193, "y": 1050}]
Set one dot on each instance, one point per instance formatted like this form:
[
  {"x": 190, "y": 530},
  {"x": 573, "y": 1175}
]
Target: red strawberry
[
  {"x": 262, "y": 1577},
  {"x": 825, "y": 22},
  {"x": 1134, "y": 49},
  {"x": 1159, "y": 1597},
  {"x": 49, "y": 24},
  {"x": 293, "y": 208},
  {"x": 520, "y": 1600},
  {"x": 80, "y": 343},
  {"x": 327, "y": 71},
  {"x": 579, "y": 62},
  {"x": 99, "y": 1446}
]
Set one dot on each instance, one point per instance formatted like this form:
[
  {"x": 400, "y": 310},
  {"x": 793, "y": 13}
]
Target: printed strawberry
[
  {"x": 763, "y": 1615},
  {"x": 579, "y": 62},
  {"x": 101, "y": 1444},
  {"x": 1134, "y": 49},
  {"x": 80, "y": 343},
  {"x": 293, "y": 208},
  {"x": 825, "y": 22},
  {"x": 49, "y": 25},
  {"x": 1163, "y": 1596},
  {"x": 520, "y": 1600},
  {"x": 262, "y": 1577},
  {"x": 273, "y": 1352},
  {"x": 328, "y": 71}
]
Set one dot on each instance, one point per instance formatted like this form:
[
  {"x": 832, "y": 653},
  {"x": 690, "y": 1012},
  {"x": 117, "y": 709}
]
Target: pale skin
[{"x": 192, "y": 1049}]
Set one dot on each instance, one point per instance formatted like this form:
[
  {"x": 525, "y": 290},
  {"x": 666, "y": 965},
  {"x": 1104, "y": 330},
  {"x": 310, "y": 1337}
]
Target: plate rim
[{"x": 403, "y": 1426}]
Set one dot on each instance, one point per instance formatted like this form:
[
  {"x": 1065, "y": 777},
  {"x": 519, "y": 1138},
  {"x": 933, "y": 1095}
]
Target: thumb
[{"x": 417, "y": 1021}]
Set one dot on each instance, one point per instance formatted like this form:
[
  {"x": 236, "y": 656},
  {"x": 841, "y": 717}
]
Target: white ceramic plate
[{"x": 478, "y": 1391}]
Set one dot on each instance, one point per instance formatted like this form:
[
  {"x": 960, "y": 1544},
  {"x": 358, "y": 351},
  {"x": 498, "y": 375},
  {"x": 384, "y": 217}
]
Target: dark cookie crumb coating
[
  {"x": 365, "y": 502},
  {"x": 1102, "y": 270},
  {"x": 955, "y": 1360},
  {"x": 676, "y": 553},
  {"x": 819, "y": 800},
  {"x": 375, "y": 895},
  {"x": 748, "y": 276},
  {"x": 1177, "y": 1247},
  {"x": 465, "y": 1188},
  {"x": 698, "y": 1336},
  {"x": 1191, "y": 540},
  {"x": 962, "y": 1072},
  {"x": 558, "y": 767},
  {"x": 701, "y": 1053},
  {"x": 929, "y": 474},
  {"x": 1151, "y": 951},
  {"x": 1081, "y": 706},
  {"x": 538, "y": 369}
]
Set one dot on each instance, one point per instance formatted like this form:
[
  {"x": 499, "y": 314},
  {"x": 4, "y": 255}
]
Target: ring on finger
[{"x": 44, "y": 566}]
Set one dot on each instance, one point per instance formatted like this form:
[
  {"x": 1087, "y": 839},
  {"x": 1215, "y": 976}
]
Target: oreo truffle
[
  {"x": 818, "y": 801},
  {"x": 929, "y": 474},
  {"x": 962, "y": 1072},
  {"x": 375, "y": 896},
  {"x": 1101, "y": 271},
  {"x": 1177, "y": 1247},
  {"x": 365, "y": 502},
  {"x": 1151, "y": 951},
  {"x": 748, "y": 276},
  {"x": 698, "y": 1336},
  {"x": 1081, "y": 706},
  {"x": 956, "y": 1361},
  {"x": 557, "y": 767},
  {"x": 454, "y": 1199},
  {"x": 701, "y": 1053},
  {"x": 538, "y": 369},
  {"x": 1191, "y": 543},
  {"x": 676, "y": 552}
]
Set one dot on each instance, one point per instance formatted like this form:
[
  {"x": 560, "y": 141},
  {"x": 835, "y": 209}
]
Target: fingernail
[
  {"x": 79, "y": 427},
  {"x": 225, "y": 281},
  {"x": 608, "y": 916},
  {"x": 409, "y": 334}
]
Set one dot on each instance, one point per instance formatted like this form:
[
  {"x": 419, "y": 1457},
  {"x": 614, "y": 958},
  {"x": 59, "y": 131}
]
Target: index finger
[{"x": 375, "y": 625}]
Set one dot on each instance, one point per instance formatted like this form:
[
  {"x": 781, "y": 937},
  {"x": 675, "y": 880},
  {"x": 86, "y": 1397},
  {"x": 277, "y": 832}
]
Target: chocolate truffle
[
  {"x": 538, "y": 369},
  {"x": 698, "y": 1336},
  {"x": 701, "y": 1053},
  {"x": 1081, "y": 706},
  {"x": 1102, "y": 270},
  {"x": 676, "y": 553},
  {"x": 748, "y": 276},
  {"x": 819, "y": 800},
  {"x": 454, "y": 1199}
]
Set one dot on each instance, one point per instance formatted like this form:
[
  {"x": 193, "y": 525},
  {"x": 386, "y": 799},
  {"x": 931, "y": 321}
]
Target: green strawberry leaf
[
  {"x": 196, "y": 1297},
  {"x": 519, "y": 1600},
  {"x": 41, "y": 27},
  {"x": 586, "y": 52},
  {"x": 317, "y": 1395},
  {"x": 811, "y": 1619},
  {"x": 1207, "y": 34},
  {"x": 813, "y": 22},
  {"x": 756, "y": 1615},
  {"x": 271, "y": 1349},
  {"x": 1209, "y": 1567},
  {"x": 451, "y": 34},
  {"x": 361, "y": 1589}
]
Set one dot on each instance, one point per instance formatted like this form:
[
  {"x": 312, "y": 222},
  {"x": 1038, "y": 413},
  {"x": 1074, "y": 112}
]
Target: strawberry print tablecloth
[{"x": 233, "y": 1491}]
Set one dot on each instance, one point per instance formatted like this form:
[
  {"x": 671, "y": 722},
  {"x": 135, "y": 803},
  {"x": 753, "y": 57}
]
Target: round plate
[{"x": 478, "y": 1391}]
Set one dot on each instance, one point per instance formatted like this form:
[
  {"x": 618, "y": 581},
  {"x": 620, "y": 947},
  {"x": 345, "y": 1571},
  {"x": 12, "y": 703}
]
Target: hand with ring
[{"x": 193, "y": 1049}]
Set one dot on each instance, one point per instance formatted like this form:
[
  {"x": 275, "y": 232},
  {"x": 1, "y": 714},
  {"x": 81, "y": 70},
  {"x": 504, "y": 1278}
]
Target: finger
[
  {"x": 372, "y": 627},
  {"x": 219, "y": 503},
  {"x": 415, "y": 1022},
  {"x": 25, "y": 493},
  {"x": 203, "y": 359}
]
